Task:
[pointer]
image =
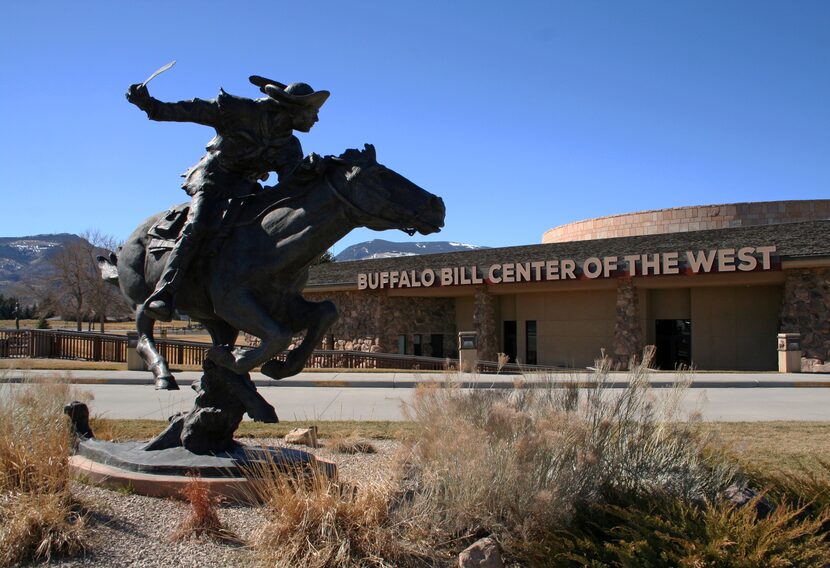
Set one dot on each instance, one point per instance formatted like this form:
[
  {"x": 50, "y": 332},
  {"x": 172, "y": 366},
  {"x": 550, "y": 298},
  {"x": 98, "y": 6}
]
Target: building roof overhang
[{"x": 797, "y": 245}]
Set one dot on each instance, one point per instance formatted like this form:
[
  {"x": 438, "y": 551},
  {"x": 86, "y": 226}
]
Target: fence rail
[
  {"x": 55, "y": 344},
  {"x": 88, "y": 346}
]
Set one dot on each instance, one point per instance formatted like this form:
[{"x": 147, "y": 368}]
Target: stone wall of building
[
  {"x": 806, "y": 310},
  {"x": 628, "y": 334},
  {"x": 693, "y": 218},
  {"x": 372, "y": 321},
  {"x": 484, "y": 320}
]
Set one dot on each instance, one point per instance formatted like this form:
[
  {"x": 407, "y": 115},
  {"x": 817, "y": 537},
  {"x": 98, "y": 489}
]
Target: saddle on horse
[{"x": 228, "y": 214}]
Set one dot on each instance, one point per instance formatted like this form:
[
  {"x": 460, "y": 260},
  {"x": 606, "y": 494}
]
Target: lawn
[{"x": 785, "y": 446}]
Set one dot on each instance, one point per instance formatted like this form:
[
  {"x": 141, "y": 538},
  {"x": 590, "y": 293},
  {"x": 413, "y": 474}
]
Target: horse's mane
[
  {"x": 314, "y": 165},
  {"x": 310, "y": 170}
]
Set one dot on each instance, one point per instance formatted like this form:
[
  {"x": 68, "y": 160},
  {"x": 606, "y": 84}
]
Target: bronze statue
[
  {"x": 236, "y": 257},
  {"x": 253, "y": 138},
  {"x": 254, "y": 279}
]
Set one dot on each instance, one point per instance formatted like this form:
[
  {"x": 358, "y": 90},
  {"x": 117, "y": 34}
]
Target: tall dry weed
[
  {"x": 203, "y": 517},
  {"x": 516, "y": 463},
  {"x": 40, "y": 518},
  {"x": 35, "y": 440}
]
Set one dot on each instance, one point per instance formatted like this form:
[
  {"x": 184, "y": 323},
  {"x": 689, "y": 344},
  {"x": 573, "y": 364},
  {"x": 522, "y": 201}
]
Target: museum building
[{"x": 710, "y": 286}]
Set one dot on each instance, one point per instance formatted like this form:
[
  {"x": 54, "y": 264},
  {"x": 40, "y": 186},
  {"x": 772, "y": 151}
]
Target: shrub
[
  {"x": 667, "y": 532},
  {"x": 509, "y": 461}
]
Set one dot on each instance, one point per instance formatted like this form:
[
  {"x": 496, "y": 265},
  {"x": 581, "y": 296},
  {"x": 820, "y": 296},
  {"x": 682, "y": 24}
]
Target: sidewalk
[{"x": 411, "y": 379}]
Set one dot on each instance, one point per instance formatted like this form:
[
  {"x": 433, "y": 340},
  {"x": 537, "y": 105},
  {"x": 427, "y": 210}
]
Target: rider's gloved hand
[{"x": 138, "y": 95}]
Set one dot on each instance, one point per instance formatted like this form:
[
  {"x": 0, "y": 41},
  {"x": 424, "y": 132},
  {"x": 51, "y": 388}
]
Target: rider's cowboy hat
[{"x": 300, "y": 94}]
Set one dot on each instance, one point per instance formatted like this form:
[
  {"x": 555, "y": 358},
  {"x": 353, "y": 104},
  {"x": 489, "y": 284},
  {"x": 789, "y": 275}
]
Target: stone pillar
[
  {"x": 484, "y": 321},
  {"x": 805, "y": 309},
  {"x": 628, "y": 335}
]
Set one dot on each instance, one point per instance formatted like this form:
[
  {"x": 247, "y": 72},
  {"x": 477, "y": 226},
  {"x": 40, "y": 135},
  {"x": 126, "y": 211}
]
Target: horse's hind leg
[{"x": 147, "y": 349}]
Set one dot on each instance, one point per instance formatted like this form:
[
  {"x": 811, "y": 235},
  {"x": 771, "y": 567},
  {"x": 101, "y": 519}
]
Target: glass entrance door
[
  {"x": 509, "y": 335},
  {"x": 673, "y": 340}
]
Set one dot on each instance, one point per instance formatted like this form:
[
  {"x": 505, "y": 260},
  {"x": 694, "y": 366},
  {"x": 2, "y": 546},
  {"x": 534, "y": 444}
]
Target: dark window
[
  {"x": 402, "y": 344},
  {"x": 510, "y": 336},
  {"x": 530, "y": 341},
  {"x": 436, "y": 343},
  {"x": 416, "y": 345}
]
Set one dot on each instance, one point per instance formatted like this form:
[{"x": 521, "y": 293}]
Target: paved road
[
  {"x": 372, "y": 403},
  {"x": 392, "y": 379}
]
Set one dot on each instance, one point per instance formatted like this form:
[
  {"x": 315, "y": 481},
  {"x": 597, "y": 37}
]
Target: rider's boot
[{"x": 159, "y": 305}]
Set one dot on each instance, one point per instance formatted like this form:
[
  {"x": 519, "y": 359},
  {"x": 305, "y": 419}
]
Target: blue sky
[{"x": 522, "y": 116}]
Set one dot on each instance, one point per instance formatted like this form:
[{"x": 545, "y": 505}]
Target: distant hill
[
  {"x": 379, "y": 248},
  {"x": 24, "y": 256}
]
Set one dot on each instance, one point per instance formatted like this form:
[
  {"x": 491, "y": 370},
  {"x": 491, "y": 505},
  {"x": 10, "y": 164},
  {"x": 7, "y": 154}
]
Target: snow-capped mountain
[
  {"x": 378, "y": 248},
  {"x": 22, "y": 257}
]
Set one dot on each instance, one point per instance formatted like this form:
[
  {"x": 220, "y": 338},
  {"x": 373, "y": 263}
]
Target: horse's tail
[{"x": 108, "y": 265}]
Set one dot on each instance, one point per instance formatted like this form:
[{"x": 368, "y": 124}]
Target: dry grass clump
[
  {"x": 203, "y": 518},
  {"x": 38, "y": 526},
  {"x": 316, "y": 522},
  {"x": 351, "y": 444},
  {"x": 40, "y": 518}
]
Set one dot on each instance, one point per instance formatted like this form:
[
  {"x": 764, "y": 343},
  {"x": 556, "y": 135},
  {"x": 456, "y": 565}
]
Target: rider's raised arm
[{"x": 196, "y": 110}]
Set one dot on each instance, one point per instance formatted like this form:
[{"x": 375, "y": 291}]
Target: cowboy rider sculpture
[{"x": 253, "y": 137}]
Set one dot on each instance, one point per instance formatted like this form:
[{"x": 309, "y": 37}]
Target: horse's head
[{"x": 379, "y": 198}]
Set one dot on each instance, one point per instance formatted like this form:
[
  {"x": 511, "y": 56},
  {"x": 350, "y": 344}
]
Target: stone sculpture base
[{"x": 165, "y": 473}]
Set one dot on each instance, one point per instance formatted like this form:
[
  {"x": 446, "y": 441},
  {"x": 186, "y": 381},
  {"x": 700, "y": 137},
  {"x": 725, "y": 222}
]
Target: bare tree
[
  {"x": 104, "y": 299},
  {"x": 74, "y": 284},
  {"x": 66, "y": 289}
]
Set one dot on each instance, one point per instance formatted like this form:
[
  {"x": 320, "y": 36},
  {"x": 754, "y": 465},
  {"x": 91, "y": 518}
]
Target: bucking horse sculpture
[{"x": 251, "y": 279}]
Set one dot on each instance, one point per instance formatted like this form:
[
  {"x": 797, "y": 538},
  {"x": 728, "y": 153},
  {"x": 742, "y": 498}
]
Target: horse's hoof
[
  {"x": 166, "y": 384},
  {"x": 267, "y": 415},
  {"x": 274, "y": 369}
]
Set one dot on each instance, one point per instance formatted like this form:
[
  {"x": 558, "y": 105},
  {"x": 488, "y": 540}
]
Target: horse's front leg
[
  {"x": 146, "y": 348},
  {"x": 316, "y": 317},
  {"x": 242, "y": 311}
]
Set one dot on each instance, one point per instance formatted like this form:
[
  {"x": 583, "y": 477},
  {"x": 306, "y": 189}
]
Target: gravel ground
[{"x": 135, "y": 531}]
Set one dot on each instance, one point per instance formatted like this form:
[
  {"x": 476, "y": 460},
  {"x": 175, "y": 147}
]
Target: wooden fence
[
  {"x": 63, "y": 345},
  {"x": 89, "y": 346}
]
